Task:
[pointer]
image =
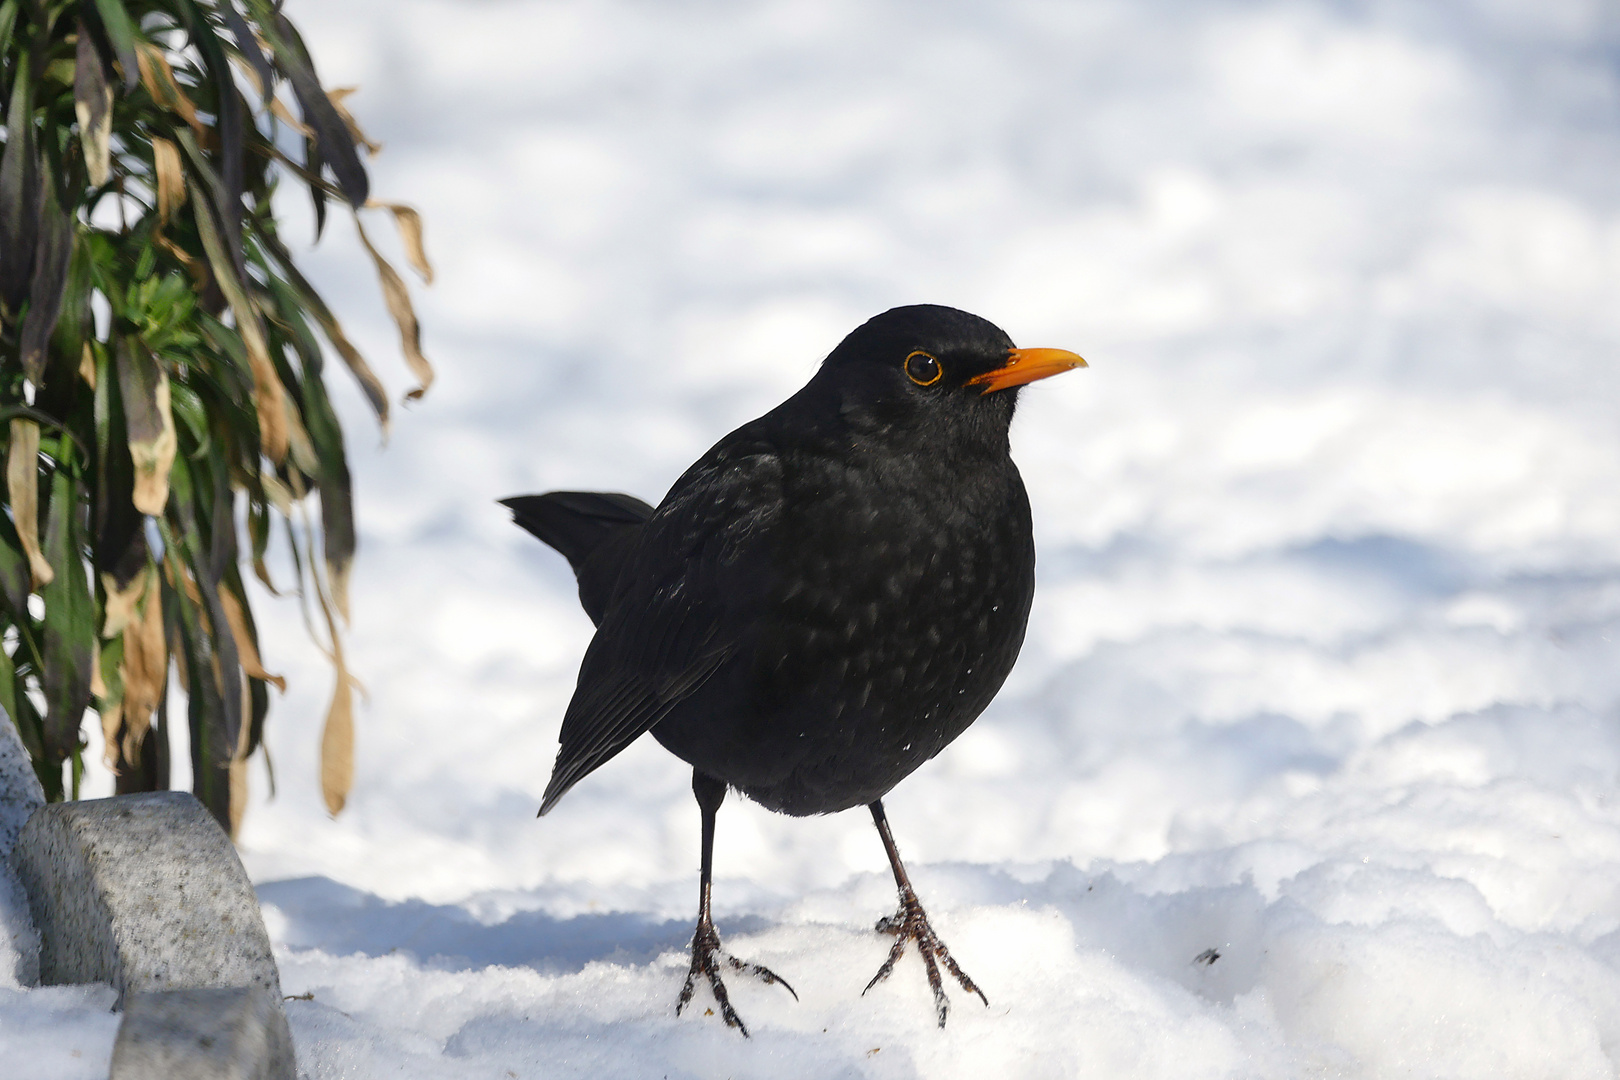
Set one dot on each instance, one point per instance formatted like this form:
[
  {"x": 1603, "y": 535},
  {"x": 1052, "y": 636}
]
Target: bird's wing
[{"x": 685, "y": 605}]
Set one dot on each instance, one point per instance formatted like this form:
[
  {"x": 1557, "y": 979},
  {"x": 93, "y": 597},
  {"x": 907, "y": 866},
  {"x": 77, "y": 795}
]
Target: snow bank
[{"x": 1308, "y": 767}]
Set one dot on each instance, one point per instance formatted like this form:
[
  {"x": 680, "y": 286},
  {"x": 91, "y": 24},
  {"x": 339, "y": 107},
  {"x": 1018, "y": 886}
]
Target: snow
[{"x": 1321, "y": 675}]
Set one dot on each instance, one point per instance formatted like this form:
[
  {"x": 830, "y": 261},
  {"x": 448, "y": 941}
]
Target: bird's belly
[{"x": 852, "y": 686}]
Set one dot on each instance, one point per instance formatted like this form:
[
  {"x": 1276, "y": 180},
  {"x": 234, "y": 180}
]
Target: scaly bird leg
[
  {"x": 708, "y": 957},
  {"x": 910, "y": 923}
]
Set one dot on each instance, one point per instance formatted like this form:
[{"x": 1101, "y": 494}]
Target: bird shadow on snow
[{"x": 320, "y": 913}]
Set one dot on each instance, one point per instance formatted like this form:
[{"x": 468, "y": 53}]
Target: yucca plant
[{"x": 162, "y": 379}]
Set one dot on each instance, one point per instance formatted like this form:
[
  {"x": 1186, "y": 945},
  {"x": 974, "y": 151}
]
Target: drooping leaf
[
  {"x": 370, "y": 385},
  {"x": 409, "y": 223},
  {"x": 8, "y": 23},
  {"x": 76, "y": 323},
  {"x": 171, "y": 178},
  {"x": 30, "y": 728},
  {"x": 70, "y": 623},
  {"x": 313, "y": 164},
  {"x": 19, "y": 195},
  {"x": 122, "y": 603},
  {"x": 228, "y": 126},
  {"x": 121, "y": 32},
  {"x": 268, "y": 397},
  {"x": 145, "y": 661},
  {"x": 248, "y": 46},
  {"x": 22, "y": 488},
  {"x": 16, "y": 579},
  {"x": 279, "y": 110},
  {"x": 158, "y": 78},
  {"x": 337, "y": 498},
  {"x": 336, "y": 143},
  {"x": 398, "y": 299},
  {"x": 92, "y": 104},
  {"x": 338, "y": 96},
  {"x": 119, "y": 547},
  {"x": 247, "y": 644},
  {"x": 337, "y": 736},
  {"x": 108, "y": 691},
  {"x": 53, "y": 254},
  {"x": 144, "y": 387}
]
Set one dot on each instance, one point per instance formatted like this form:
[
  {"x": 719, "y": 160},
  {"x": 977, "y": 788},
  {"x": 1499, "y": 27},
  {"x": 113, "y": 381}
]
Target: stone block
[
  {"x": 20, "y": 793},
  {"x": 143, "y": 892},
  {"x": 236, "y": 1033},
  {"x": 20, "y": 796}
]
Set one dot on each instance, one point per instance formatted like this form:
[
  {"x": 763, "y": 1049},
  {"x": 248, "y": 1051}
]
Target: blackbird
[{"x": 827, "y": 598}]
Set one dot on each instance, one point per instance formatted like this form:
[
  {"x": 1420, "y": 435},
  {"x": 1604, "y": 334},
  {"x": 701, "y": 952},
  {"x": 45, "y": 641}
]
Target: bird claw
[
  {"x": 910, "y": 923},
  {"x": 707, "y": 956}
]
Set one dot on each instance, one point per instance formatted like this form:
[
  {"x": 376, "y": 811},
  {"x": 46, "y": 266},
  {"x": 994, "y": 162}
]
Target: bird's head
[{"x": 935, "y": 368}]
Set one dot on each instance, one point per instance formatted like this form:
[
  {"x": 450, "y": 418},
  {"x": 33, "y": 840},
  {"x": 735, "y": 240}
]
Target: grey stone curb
[
  {"x": 218, "y": 1034},
  {"x": 145, "y": 893},
  {"x": 20, "y": 796}
]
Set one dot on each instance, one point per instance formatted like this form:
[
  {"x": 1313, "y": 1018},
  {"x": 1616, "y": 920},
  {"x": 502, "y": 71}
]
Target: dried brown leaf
[
  {"x": 195, "y": 267},
  {"x": 87, "y": 366},
  {"x": 92, "y": 104},
  {"x": 171, "y": 179},
  {"x": 237, "y": 770},
  {"x": 122, "y": 603},
  {"x": 22, "y": 486},
  {"x": 112, "y": 723},
  {"x": 409, "y": 223},
  {"x": 269, "y": 398},
  {"x": 152, "y": 438},
  {"x": 337, "y": 96},
  {"x": 279, "y": 109},
  {"x": 337, "y": 576},
  {"x": 337, "y": 742},
  {"x": 145, "y": 665},
  {"x": 98, "y": 684},
  {"x": 245, "y": 646},
  {"x": 160, "y": 83},
  {"x": 337, "y": 739},
  {"x": 398, "y": 299},
  {"x": 248, "y": 72}
]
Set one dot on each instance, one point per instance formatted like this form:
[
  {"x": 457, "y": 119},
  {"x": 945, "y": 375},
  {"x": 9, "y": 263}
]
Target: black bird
[{"x": 822, "y": 602}]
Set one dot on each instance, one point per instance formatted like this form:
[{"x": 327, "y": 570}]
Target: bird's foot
[
  {"x": 910, "y": 923},
  {"x": 707, "y": 960}
]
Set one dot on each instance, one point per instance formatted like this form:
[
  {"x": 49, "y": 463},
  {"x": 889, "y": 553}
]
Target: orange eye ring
[{"x": 923, "y": 369}]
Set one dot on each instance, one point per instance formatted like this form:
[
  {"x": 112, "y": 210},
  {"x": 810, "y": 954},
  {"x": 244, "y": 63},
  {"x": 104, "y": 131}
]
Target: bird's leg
[
  {"x": 910, "y": 923},
  {"x": 707, "y": 955}
]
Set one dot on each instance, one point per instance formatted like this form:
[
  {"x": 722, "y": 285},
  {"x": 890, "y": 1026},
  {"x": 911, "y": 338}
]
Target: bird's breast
[{"x": 898, "y": 606}]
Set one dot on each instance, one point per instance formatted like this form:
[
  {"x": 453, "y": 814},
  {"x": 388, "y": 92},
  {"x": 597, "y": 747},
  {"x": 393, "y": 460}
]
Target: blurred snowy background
[{"x": 1321, "y": 674}]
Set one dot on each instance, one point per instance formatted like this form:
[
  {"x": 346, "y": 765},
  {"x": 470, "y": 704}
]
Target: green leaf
[
  {"x": 19, "y": 196},
  {"x": 227, "y": 125},
  {"x": 336, "y": 141},
  {"x": 16, "y": 580},
  {"x": 53, "y": 258},
  {"x": 70, "y": 623},
  {"x": 248, "y": 46},
  {"x": 8, "y": 22},
  {"x": 14, "y": 699},
  {"x": 76, "y": 323},
  {"x": 121, "y": 32}
]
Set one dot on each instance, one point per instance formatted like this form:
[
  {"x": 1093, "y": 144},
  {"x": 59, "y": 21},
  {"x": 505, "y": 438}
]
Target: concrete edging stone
[{"x": 146, "y": 893}]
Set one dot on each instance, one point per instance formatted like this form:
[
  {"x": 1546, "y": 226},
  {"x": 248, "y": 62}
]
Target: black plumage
[{"x": 823, "y": 601}]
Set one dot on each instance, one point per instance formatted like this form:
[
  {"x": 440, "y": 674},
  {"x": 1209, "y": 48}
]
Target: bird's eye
[{"x": 923, "y": 369}]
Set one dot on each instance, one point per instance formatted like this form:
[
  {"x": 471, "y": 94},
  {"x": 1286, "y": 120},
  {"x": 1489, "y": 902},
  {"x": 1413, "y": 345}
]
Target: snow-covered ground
[{"x": 1321, "y": 676}]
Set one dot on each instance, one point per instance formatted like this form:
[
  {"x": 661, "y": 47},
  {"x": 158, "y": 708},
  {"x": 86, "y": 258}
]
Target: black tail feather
[
  {"x": 579, "y": 524},
  {"x": 576, "y": 522}
]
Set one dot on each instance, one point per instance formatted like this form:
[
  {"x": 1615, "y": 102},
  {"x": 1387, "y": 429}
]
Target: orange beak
[{"x": 1025, "y": 366}]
